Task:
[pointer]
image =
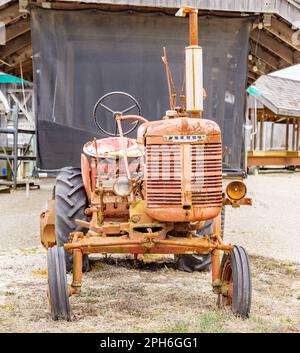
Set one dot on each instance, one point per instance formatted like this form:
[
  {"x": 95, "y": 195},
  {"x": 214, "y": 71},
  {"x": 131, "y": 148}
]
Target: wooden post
[
  {"x": 298, "y": 136},
  {"x": 261, "y": 133},
  {"x": 287, "y": 133},
  {"x": 253, "y": 127},
  {"x": 272, "y": 136},
  {"x": 294, "y": 136}
]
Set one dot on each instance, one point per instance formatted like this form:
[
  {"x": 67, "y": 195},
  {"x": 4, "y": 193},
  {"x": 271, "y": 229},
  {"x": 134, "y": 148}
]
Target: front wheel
[
  {"x": 58, "y": 296},
  {"x": 236, "y": 282}
]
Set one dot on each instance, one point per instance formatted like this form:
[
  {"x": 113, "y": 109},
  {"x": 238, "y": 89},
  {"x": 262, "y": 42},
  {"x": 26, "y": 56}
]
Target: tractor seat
[{"x": 112, "y": 147}]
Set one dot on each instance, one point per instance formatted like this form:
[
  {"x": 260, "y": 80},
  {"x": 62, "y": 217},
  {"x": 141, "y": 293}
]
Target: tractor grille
[
  {"x": 164, "y": 173},
  {"x": 206, "y": 175}
]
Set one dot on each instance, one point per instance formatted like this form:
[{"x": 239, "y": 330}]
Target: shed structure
[
  {"x": 275, "y": 103},
  {"x": 274, "y": 39}
]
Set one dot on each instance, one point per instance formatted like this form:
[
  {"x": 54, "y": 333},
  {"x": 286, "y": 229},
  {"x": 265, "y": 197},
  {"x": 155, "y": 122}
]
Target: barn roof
[
  {"x": 274, "y": 40},
  {"x": 280, "y": 95}
]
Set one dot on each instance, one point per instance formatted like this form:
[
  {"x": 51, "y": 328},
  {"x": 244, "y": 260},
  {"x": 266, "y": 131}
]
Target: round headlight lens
[
  {"x": 236, "y": 190},
  {"x": 122, "y": 186}
]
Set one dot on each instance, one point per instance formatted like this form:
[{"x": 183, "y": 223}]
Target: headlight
[
  {"x": 236, "y": 190},
  {"x": 122, "y": 186}
]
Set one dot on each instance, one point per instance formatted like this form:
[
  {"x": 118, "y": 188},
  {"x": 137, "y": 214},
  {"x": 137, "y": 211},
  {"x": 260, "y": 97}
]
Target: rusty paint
[
  {"x": 216, "y": 267},
  {"x": 77, "y": 271},
  {"x": 227, "y": 285},
  {"x": 86, "y": 176},
  {"x": 145, "y": 243},
  {"x": 47, "y": 225}
]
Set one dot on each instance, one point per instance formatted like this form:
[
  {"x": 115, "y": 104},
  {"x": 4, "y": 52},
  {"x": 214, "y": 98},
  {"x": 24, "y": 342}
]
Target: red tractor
[{"x": 162, "y": 193}]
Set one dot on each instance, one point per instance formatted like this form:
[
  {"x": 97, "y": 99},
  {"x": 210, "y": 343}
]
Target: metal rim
[
  {"x": 227, "y": 279},
  {"x": 100, "y": 103}
]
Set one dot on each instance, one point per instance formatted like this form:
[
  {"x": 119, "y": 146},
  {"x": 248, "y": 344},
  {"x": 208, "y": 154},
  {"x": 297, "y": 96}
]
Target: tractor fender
[{"x": 86, "y": 176}]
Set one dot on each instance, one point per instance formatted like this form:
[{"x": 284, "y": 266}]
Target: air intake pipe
[{"x": 193, "y": 65}]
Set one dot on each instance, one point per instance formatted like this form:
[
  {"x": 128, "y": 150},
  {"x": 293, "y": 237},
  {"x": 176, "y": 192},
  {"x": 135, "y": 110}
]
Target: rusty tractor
[{"x": 149, "y": 195}]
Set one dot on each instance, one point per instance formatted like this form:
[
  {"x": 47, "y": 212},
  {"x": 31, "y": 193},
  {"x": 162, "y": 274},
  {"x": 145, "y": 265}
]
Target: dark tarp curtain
[{"x": 79, "y": 56}]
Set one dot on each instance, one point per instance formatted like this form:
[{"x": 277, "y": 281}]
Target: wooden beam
[
  {"x": 14, "y": 45},
  {"x": 272, "y": 60},
  {"x": 16, "y": 29},
  {"x": 16, "y": 70},
  {"x": 282, "y": 31},
  {"x": 27, "y": 71},
  {"x": 263, "y": 67},
  {"x": 251, "y": 75},
  {"x": 260, "y": 71},
  {"x": 20, "y": 56},
  {"x": 273, "y": 45},
  {"x": 10, "y": 13}
]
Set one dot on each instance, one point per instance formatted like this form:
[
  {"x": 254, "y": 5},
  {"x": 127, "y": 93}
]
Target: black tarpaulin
[{"x": 79, "y": 56}]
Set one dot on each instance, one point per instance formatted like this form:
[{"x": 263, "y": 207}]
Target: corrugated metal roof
[
  {"x": 287, "y": 9},
  {"x": 280, "y": 95}
]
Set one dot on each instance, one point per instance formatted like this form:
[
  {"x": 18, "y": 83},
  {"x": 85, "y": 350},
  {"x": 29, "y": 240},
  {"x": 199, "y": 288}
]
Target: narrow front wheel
[
  {"x": 57, "y": 284},
  {"x": 236, "y": 282}
]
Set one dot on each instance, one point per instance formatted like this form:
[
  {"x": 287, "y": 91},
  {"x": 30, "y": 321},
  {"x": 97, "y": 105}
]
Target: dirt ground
[{"x": 117, "y": 297}]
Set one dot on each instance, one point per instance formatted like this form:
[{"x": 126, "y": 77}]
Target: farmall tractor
[{"x": 152, "y": 195}]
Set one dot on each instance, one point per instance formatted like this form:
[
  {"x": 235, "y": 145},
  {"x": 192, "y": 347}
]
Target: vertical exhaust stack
[{"x": 193, "y": 65}]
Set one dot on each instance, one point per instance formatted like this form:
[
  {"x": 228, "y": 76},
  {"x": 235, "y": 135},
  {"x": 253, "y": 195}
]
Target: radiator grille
[
  {"x": 164, "y": 172},
  {"x": 163, "y": 175},
  {"x": 206, "y": 174}
]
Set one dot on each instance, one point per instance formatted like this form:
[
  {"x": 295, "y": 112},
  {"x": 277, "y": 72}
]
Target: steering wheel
[{"x": 116, "y": 113}]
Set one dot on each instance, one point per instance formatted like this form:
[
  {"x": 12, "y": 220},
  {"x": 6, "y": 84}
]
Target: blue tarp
[{"x": 5, "y": 78}]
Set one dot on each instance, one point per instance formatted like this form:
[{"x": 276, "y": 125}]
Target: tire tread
[{"x": 71, "y": 201}]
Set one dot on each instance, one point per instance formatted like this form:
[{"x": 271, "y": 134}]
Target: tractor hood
[{"x": 179, "y": 126}]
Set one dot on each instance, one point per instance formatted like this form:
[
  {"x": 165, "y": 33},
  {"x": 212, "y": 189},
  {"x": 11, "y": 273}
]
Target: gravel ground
[
  {"x": 271, "y": 227},
  {"x": 121, "y": 298}
]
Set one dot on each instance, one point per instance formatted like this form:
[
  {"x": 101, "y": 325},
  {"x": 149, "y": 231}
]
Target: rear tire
[
  {"x": 70, "y": 203},
  {"x": 191, "y": 263},
  {"x": 57, "y": 285},
  {"x": 236, "y": 272}
]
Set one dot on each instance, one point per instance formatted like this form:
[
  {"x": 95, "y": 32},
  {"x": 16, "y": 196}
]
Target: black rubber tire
[
  {"x": 191, "y": 263},
  {"x": 57, "y": 284},
  {"x": 239, "y": 263},
  {"x": 70, "y": 203}
]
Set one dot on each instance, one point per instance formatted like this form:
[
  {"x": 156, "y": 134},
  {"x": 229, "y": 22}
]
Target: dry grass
[{"x": 150, "y": 298}]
